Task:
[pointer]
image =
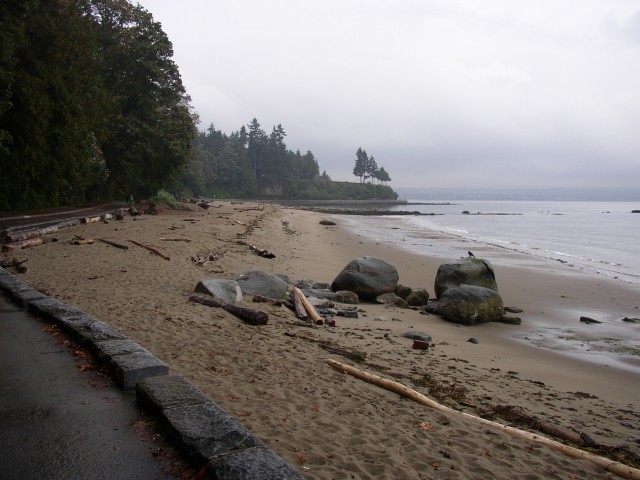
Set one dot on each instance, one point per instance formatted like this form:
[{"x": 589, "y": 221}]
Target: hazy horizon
[{"x": 461, "y": 94}]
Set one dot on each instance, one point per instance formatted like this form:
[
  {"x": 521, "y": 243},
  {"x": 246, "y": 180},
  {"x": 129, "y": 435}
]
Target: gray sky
[{"x": 443, "y": 93}]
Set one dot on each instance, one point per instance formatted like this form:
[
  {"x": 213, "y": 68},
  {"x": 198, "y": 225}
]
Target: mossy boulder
[
  {"x": 470, "y": 305},
  {"x": 468, "y": 271}
]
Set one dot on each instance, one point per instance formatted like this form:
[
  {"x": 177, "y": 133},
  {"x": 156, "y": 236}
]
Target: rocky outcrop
[
  {"x": 470, "y": 305},
  {"x": 227, "y": 291},
  {"x": 258, "y": 282},
  {"x": 392, "y": 299},
  {"x": 368, "y": 277},
  {"x": 468, "y": 271}
]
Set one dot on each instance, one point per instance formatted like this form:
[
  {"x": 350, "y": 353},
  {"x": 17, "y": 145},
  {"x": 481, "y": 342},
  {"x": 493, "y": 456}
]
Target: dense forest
[
  {"x": 250, "y": 163},
  {"x": 92, "y": 106}
]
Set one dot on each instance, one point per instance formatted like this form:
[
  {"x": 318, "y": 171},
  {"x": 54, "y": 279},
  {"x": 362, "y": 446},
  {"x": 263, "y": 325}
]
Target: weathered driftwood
[
  {"x": 212, "y": 257},
  {"x": 247, "y": 315},
  {"x": 91, "y": 219},
  {"x": 81, "y": 241},
  {"x": 271, "y": 301},
  {"x": 260, "y": 251},
  {"x": 247, "y": 209},
  {"x": 152, "y": 249},
  {"x": 19, "y": 265},
  {"x": 310, "y": 309},
  {"x": 515, "y": 413},
  {"x": 10, "y": 247},
  {"x": 617, "y": 468},
  {"x": 11, "y": 236},
  {"x": 301, "y": 312},
  {"x": 114, "y": 244},
  {"x": 176, "y": 240}
]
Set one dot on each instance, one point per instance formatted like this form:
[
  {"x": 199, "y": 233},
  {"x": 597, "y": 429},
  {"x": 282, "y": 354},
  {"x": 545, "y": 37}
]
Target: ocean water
[{"x": 596, "y": 238}]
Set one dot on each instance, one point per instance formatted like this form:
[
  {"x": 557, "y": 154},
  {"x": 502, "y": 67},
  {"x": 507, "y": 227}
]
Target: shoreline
[{"x": 275, "y": 378}]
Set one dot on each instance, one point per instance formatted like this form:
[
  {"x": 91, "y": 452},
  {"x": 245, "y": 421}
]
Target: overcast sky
[{"x": 443, "y": 93}]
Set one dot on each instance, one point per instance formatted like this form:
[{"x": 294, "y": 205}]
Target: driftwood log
[
  {"x": 617, "y": 468},
  {"x": 34, "y": 242},
  {"x": 260, "y": 251},
  {"x": 19, "y": 265},
  {"x": 152, "y": 249},
  {"x": 247, "y": 315},
  {"x": 270, "y": 301},
  {"x": 114, "y": 244},
  {"x": 310, "y": 309},
  {"x": 81, "y": 241},
  {"x": 176, "y": 240},
  {"x": 10, "y": 236}
]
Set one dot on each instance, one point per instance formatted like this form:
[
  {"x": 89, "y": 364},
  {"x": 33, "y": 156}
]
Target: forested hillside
[
  {"x": 92, "y": 106},
  {"x": 250, "y": 163},
  {"x": 91, "y": 103}
]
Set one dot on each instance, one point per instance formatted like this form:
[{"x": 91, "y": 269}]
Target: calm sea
[{"x": 596, "y": 237}]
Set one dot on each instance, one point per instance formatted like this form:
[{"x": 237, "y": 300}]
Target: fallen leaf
[
  {"x": 425, "y": 426},
  {"x": 302, "y": 459},
  {"x": 285, "y": 420},
  {"x": 486, "y": 454}
]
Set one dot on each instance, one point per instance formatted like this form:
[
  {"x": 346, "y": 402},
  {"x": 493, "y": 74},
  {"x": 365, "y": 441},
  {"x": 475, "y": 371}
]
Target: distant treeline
[
  {"x": 91, "y": 103},
  {"x": 250, "y": 163}
]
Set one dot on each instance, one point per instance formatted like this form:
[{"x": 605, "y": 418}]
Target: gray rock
[
  {"x": 392, "y": 299},
  {"x": 468, "y": 271},
  {"x": 168, "y": 391},
  {"x": 403, "y": 291},
  {"x": 227, "y": 291},
  {"x": 513, "y": 310},
  {"x": 368, "y": 277},
  {"x": 470, "y": 305},
  {"x": 473, "y": 340},
  {"x": 418, "y": 297},
  {"x": 321, "y": 286},
  {"x": 258, "y": 282},
  {"x": 327, "y": 222},
  {"x": 208, "y": 430},
  {"x": 136, "y": 366},
  {"x": 341, "y": 296},
  {"x": 258, "y": 463},
  {"x": 417, "y": 336}
]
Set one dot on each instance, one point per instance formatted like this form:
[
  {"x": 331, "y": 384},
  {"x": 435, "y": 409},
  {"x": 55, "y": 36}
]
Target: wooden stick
[
  {"x": 152, "y": 249},
  {"x": 176, "y": 240},
  {"x": 610, "y": 466},
  {"x": 313, "y": 314},
  {"x": 114, "y": 244}
]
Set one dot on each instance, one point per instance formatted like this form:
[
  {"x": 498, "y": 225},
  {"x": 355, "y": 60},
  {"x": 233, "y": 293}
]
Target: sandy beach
[{"x": 275, "y": 378}]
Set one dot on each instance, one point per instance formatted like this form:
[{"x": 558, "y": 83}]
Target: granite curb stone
[
  {"x": 210, "y": 433},
  {"x": 255, "y": 463}
]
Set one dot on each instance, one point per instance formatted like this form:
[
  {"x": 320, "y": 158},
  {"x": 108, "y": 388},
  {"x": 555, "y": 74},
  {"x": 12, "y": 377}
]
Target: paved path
[{"x": 54, "y": 424}]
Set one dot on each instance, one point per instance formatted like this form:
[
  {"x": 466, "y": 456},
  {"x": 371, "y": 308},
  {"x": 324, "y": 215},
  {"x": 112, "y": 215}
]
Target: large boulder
[
  {"x": 470, "y": 305},
  {"x": 227, "y": 291},
  {"x": 258, "y": 282},
  {"x": 469, "y": 271},
  {"x": 418, "y": 297},
  {"x": 368, "y": 277}
]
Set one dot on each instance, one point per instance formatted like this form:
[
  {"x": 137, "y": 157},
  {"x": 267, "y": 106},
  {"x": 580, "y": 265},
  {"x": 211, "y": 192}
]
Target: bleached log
[
  {"x": 313, "y": 314},
  {"x": 10, "y": 247},
  {"x": 611, "y": 466}
]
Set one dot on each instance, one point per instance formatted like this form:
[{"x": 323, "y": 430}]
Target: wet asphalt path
[{"x": 58, "y": 422}]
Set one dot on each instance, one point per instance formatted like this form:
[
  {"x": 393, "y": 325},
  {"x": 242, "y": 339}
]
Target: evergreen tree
[{"x": 151, "y": 126}]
